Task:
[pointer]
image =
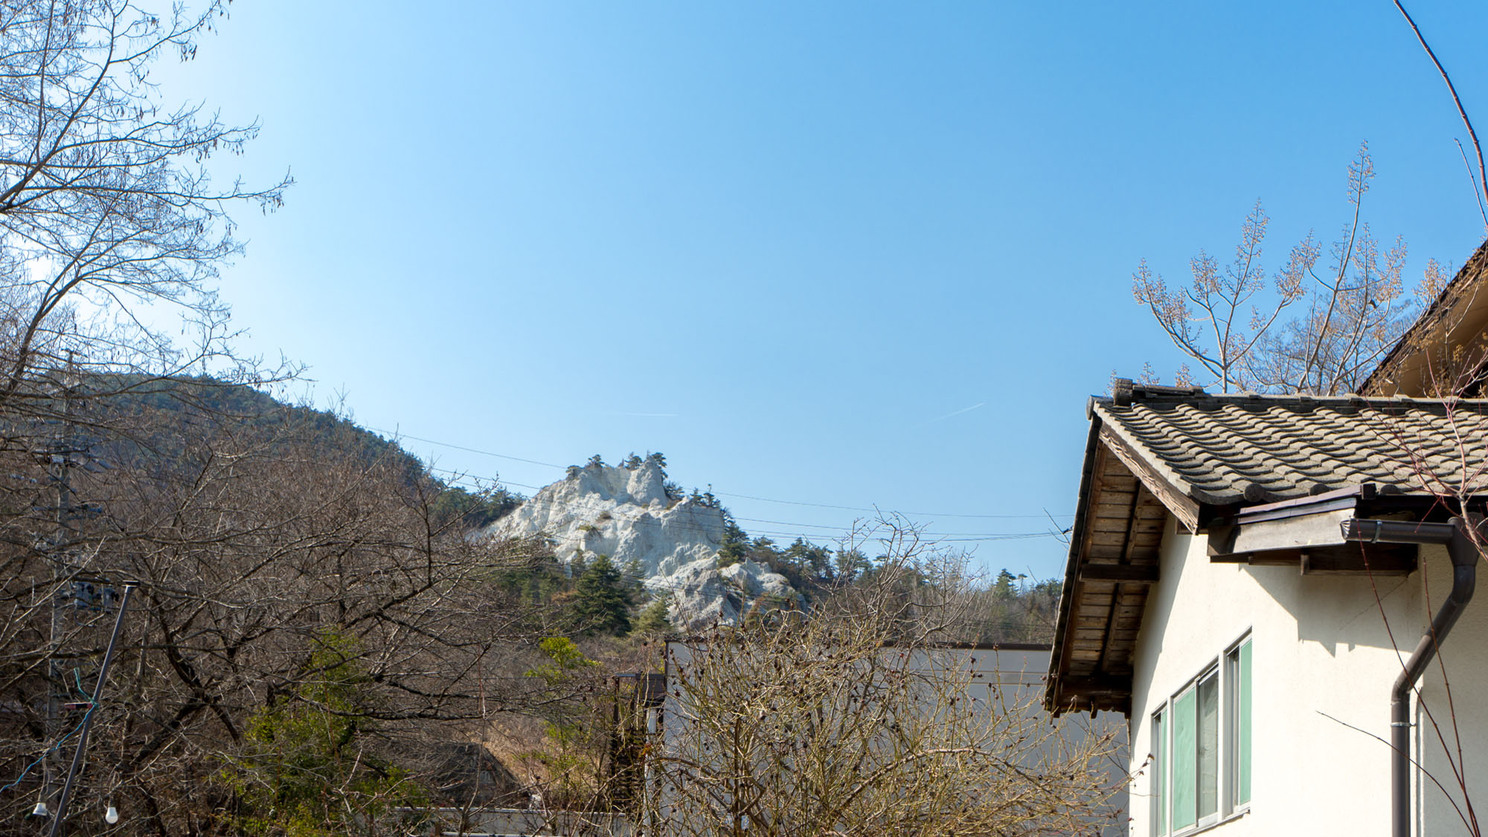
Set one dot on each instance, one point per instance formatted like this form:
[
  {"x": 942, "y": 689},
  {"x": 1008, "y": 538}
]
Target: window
[
  {"x": 1159, "y": 774},
  {"x": 1201, "y": 747},
  {"x": 1195, "y": 752},
  {"x": 1237, "y": 670}
]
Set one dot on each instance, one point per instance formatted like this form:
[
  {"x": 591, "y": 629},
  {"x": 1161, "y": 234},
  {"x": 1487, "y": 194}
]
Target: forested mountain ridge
[
  {"x": 312, "y": 614},
  {"x": 147, "y": 418}
]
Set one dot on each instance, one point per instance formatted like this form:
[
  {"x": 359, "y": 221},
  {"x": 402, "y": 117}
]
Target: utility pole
[
  {"x": 79, "y": 753},
  {"x": 57, "y": 457},
  {"x": 72, "y": 597}
]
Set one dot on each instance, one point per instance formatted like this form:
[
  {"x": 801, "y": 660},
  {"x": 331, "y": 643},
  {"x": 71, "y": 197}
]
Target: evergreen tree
[
  {"x": 851, "y": 565},
  {"x": 652, "y": 620},
  {"x": 735, "y": 546},
  {"x": 306, "y": 767},
  {"x": 1003, "y": 587},
  {"x": 601, "y": 599}
]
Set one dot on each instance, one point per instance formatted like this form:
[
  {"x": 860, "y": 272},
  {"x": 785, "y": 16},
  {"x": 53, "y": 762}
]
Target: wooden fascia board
[
  {"x": 1183, "y": 507},
  {"x": 1103, "y": 686},
  {"x": 1064, "y": 691},
  {"x": 1063, "y": 636}
]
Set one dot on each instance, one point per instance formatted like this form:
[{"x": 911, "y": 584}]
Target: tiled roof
[{"x": 1249, "y": 449}]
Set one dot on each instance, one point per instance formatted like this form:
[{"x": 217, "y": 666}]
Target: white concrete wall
[{"x": 1322, "y": 666}]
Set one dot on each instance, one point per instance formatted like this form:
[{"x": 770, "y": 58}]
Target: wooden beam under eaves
[
  {"x": 1119, "y": 572},
  {"x": 1183, "y": 507}
]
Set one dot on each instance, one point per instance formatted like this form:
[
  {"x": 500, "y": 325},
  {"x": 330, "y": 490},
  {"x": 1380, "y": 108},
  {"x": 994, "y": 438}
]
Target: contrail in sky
[{"x": 954, "y": 413}]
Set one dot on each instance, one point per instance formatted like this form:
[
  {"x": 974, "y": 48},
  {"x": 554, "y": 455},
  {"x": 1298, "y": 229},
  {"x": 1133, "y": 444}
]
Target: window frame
[
  {"x": 1239, "y": 733},
  {"x": 1229, "y": 679},
  {"x": 1159, "y": 795},
  {"x": 1191, "y": 699}
]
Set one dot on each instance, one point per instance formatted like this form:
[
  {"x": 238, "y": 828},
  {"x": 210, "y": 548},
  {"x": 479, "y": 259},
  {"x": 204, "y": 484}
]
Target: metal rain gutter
[{"x": 1459, "y": 543}]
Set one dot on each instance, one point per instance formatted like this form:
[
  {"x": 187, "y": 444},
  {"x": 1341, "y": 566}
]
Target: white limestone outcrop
[{"x": 625, "y": 513}]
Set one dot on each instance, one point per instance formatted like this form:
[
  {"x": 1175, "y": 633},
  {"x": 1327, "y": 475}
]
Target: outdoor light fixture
[{"x": 111, "y": 816}]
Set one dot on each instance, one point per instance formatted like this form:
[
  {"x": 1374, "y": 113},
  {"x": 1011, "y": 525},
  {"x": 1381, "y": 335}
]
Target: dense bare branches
[
  {"x": 856, "y": 720},
  {"x": 105, "y": 203},
  {"x": 259, "y": 542}
]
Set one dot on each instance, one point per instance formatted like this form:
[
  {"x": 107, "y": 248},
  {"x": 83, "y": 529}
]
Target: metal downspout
[{"x": 1464, "y": 556}]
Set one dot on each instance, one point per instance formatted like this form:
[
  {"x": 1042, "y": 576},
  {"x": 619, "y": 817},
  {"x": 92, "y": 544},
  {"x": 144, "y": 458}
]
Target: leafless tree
[
  {"x": 856, "y": 719},
  {"x": 111, "y": 231},
  {"x": 261, "y": 543},
  {"x": 1314, "y": 325}
]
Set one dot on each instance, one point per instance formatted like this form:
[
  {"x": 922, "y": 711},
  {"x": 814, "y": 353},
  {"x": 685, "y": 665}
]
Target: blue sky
[{"x": 840, "y": 255}]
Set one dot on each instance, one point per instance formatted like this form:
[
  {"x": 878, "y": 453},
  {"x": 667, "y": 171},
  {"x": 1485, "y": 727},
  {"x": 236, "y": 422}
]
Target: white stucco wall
[
  {"x": 1463, "y": 661},
  {"x": 1323, "y": 663}
]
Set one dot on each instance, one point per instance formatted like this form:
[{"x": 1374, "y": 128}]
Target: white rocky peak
[
  {"x": 644, "y": 485},
  {"x": 625, "y": 513}
]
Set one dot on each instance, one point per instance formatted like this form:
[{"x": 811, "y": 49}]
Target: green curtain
[{"x": 1185, "y": 748}]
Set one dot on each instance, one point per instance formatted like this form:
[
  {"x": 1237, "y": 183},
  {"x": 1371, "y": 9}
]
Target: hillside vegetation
[{"x": 317, "y": 638}]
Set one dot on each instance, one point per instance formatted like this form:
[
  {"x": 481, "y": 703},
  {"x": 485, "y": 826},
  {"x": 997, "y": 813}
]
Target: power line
[
  {"x": 928, "y": 533},
  {"x": 402, "y": 435},
  {"x": 876, "y": 510},
  {"x": 795, "y": 531},
  {"x": 797, "y": 524},
  {"x": 867, "y": 509},
  {"x": 39, "y": 759}
]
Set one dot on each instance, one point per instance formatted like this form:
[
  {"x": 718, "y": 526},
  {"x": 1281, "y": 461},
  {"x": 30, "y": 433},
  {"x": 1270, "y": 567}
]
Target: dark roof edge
[
  {"x": 1434, "y": 313},
  {"x": 1072, "y": 563},
  {"x": 1143, "y": 393}
]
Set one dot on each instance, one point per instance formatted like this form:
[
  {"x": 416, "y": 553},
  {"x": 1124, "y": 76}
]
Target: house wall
[
  {"x": 1322, "y": 666},
  {"x": 1437, "y": 735}
]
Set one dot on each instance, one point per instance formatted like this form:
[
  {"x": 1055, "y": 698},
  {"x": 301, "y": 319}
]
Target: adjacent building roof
[
  {"x": 1446, "y": 349},
  {"x": 1208, "y": 461}
]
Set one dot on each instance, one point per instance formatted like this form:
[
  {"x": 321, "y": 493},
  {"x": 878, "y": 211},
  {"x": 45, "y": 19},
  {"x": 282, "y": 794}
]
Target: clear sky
[{"x": 835, "y": 255}]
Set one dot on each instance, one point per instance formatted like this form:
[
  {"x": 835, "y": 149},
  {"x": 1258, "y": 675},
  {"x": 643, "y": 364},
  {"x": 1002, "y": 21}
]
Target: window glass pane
[
  {"x": 1208, "y": 746},
  {"x": 1184, "y": 751},
  {"x": 1242, "y": 727},
  {"x": 1159, "y": 775}
]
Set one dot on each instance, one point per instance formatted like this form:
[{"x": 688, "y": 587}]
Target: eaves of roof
[{"x": 1205, "y": 460}]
